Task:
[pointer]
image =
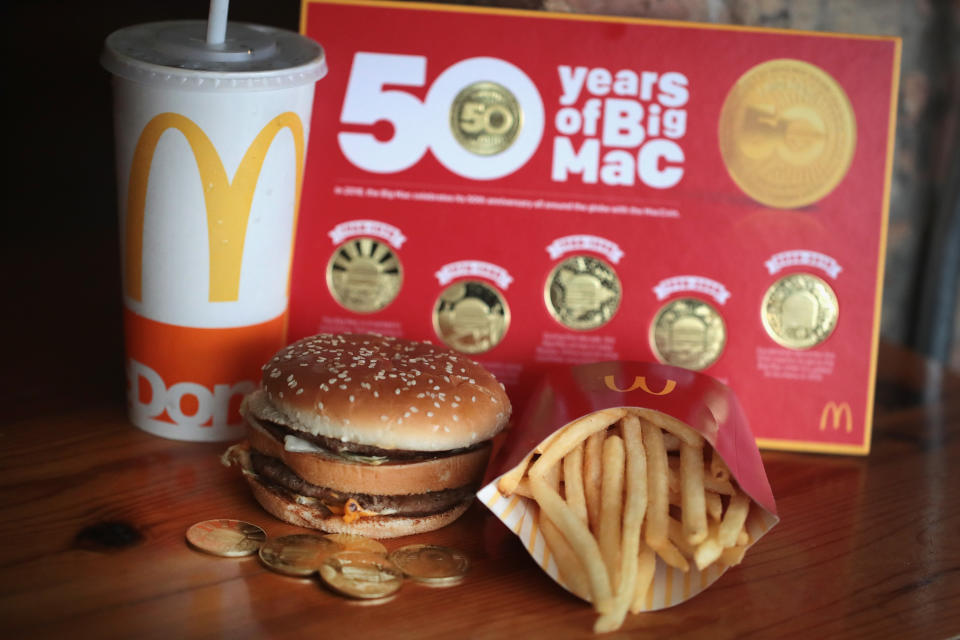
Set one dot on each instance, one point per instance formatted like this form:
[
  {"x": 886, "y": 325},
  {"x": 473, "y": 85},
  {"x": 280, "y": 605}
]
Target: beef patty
[{"x": 275, "y": 472}]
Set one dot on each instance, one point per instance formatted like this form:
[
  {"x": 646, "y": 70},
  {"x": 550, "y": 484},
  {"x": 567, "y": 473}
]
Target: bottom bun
[{"x": 374, "y": 527}]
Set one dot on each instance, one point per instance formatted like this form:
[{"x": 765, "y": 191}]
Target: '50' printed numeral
[{"x": 418, "y": 126}]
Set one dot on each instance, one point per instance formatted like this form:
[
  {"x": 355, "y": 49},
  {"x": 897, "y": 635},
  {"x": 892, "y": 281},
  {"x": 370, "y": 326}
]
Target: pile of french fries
[{"x": 619, "y": 487}]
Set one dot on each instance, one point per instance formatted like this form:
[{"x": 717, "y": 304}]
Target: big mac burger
[{"x": 369, "y": 434}]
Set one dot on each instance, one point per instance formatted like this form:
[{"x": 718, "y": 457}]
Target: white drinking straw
[{"x": 217, "y": 22}]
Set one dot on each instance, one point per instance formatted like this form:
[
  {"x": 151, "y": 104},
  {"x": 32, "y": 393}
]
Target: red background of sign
[{"x": 720, "y": 234}]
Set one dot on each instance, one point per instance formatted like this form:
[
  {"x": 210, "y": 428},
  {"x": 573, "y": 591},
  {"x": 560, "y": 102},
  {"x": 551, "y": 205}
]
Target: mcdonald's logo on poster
[
  {"x": 203, "y": 315},
  {"x": 836, "y": 414}
]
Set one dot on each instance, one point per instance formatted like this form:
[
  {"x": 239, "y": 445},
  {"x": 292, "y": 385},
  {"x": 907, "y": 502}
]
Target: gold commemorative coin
[
  {"x": 431, "y": 564},
  {"x": 358, "y": 574},
  {"x": 354, "y": 542},
  {"x": 364, "y": 275},
  {"x": 799, "y": 311},
  {"x": 688, "y": 333},
  {"x": 582, "y": 292},
  {"x": 226, "y": 538},
  {"x": 471, "y": 316},
  {"x": 787, "y": 133},
  {"x": 485, "y": 118},
  {"x": 297, "y": 555}
]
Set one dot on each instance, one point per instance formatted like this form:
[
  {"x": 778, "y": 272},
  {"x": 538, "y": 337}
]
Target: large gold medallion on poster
[
  {"x": 787, "y": 133},
  {"x": 688, "y": 333},
  {"x": 582, "y": 293},
  {"x": 471, "y": 316},
  {"x": 800, "y": 311},
  {"x": 364, "y": 275},
  {"x": 485, "y": 118}
]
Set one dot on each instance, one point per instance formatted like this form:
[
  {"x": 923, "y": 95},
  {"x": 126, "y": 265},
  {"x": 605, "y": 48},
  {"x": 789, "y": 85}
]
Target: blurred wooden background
[{"x": 58, "y": 105}]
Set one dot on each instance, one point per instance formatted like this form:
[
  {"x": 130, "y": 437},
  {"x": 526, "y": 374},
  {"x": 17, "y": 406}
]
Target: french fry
[
  {"x": 718, "y": 468},
  {"x": 732, "y": 556},
  {"x": 592, "y": 455},
  {"x": 573, "y": 483},
  {"x": 694, "y": 507},
  {"x": 733, "y": 520},
  {"x": 635, "y": 499},
  {"x": 571, "y": 570},
  {"x": 571, "y": 436},
  {"x": 710, "y": 483},
  {"x": 673, "y": 474},
  {"x": 667, "y": 423},
  {"x": 672, "y": 556},
  {"x": 743, "y": 538},
  {"x": 552, "y": 477},
  {"x": 508, "y": 482},
  {"x": 671, "y": 442},
  {"x": 646, "y": 566},
  {"x": 523, "y": 489},
  {"x": 708, "y": 551},
  {"x": 580, "y": 539},
  {"x": 611, "y": 507},
  {"x": 657, "y": 486},
  {"x": 714, "y": 505},
  {"x": 677, "y": 537}
]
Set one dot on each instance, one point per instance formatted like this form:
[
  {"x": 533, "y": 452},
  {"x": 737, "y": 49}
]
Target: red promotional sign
[{"x": 538, "y": 189}]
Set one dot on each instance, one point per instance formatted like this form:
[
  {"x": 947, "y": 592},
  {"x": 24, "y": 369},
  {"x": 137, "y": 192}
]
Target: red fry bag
[{"x": 658, "y": 395}]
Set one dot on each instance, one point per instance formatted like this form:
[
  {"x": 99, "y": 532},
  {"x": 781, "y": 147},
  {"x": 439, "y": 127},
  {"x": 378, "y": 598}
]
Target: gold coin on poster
[
  {"x": 688, "y": 333},
  {"x": 471, "y": 316},
  {"x": 582, "y": 292},
  {"x": 799, "y": 311},
  {"x": 787, "y": 133},
  {"x": 485, "y": 118},
  {"x": 364, "y": 275}
]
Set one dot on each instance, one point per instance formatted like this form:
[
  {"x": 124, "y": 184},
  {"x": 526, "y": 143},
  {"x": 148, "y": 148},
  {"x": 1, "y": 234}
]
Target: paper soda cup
[
  {"x": 210, "y": 146},
  {"x": 566, "y": 394}
]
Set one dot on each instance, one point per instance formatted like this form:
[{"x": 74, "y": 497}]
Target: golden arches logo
[
  {"x": 640, "y": 382},
  {"x": 836, "y": 413},
  {"x": 227, "y": 202}
]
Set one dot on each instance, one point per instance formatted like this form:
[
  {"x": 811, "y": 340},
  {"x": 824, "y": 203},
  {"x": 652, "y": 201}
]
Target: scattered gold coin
[
  {"x": 297, "y": 555},
  {"x": 226, "y": 538},
  {"x": 360, "y": 574},
  {"x": 353, "y": 542},
  {"x": 431, "y": 563}
]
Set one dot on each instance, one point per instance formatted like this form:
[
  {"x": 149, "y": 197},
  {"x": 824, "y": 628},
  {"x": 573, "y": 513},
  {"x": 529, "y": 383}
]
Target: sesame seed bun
[{"x": 382, "y": 391}]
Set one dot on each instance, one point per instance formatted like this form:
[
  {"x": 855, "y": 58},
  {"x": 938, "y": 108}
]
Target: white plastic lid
[{"x": 175, "y": 54}]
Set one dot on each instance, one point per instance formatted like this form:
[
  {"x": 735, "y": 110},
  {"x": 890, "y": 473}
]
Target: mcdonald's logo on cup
[
  {"x": 209, "y": 191},
  {"x": 836, "y": 414}
]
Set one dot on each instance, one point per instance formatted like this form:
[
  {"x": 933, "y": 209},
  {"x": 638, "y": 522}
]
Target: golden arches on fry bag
[{"x": 607, "y": 484}]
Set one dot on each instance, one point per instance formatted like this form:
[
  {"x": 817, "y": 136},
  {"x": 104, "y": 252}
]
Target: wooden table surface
[{"x": 93, "y": 514}]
